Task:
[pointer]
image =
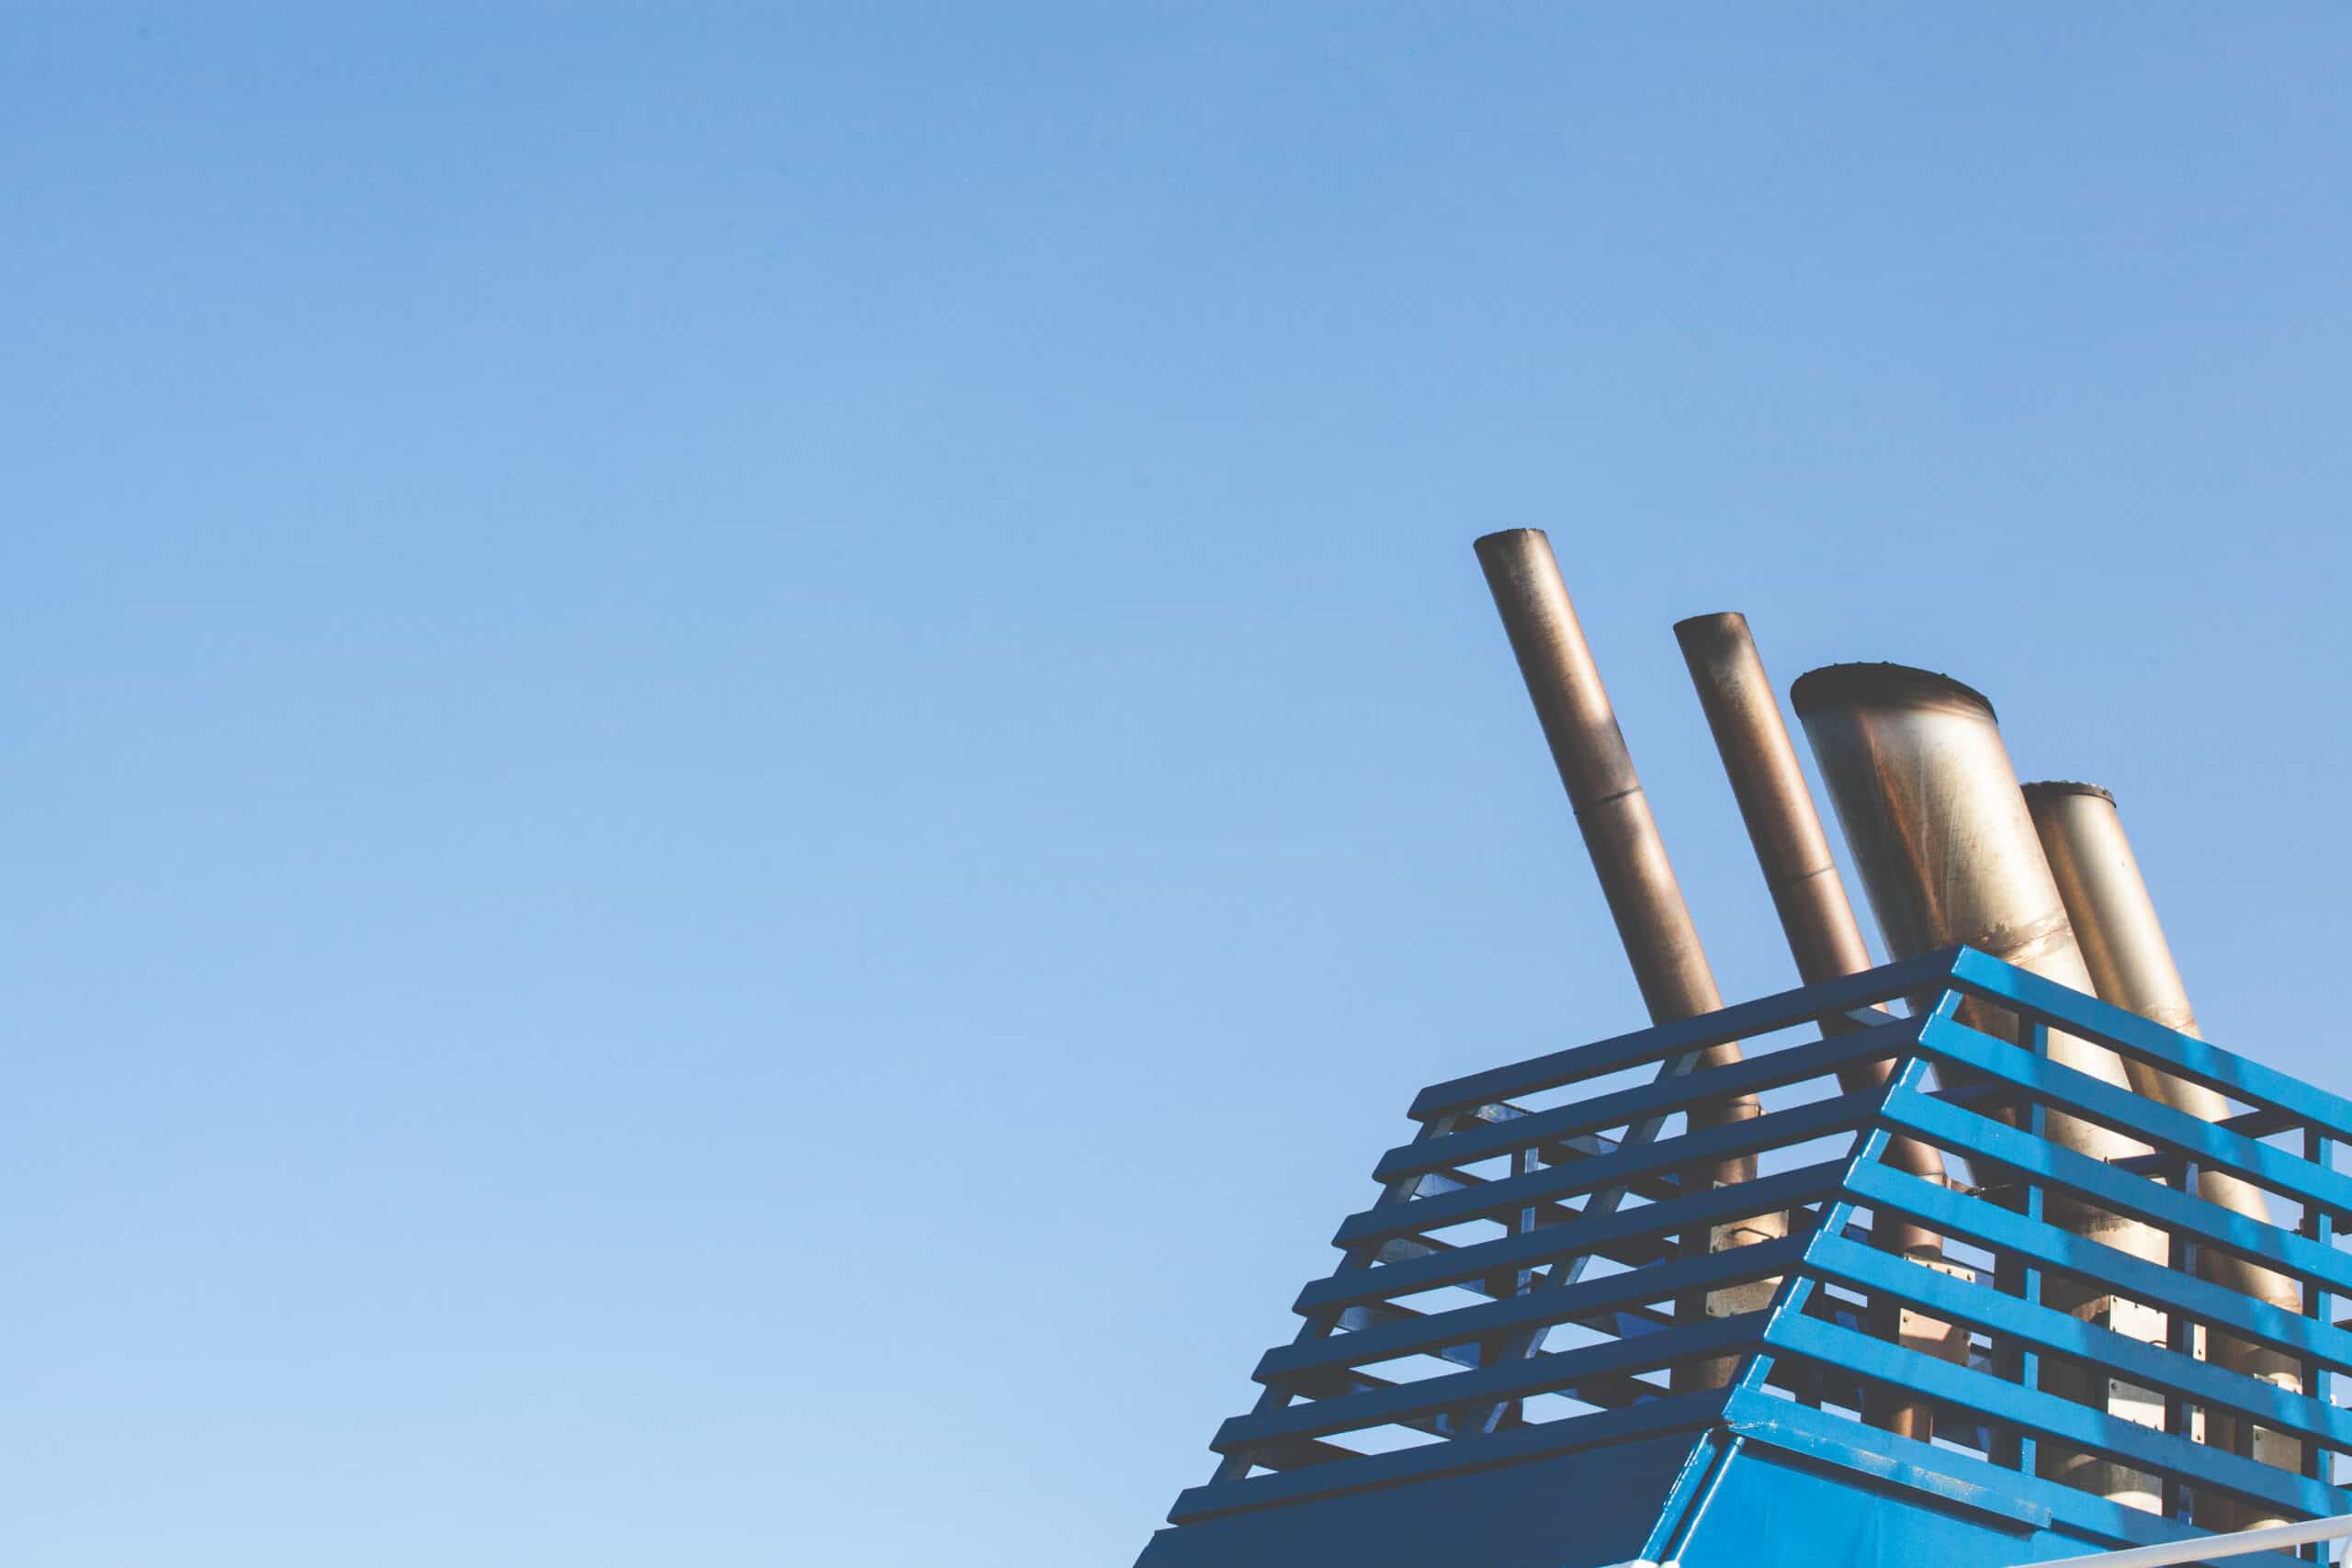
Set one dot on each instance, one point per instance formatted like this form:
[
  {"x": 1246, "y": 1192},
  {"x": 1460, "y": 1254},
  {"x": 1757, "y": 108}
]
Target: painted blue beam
[
  {"x": 2131, "y": 1035},
  {"x": 1690, "y": 1412},
  {"x": 2121, "y": 1192},
  {"x": 1796, "y": 1125},
  {"x": 1766, "y": 1194},
  {"x": 1557, "y": 1372},
  {"x": 2080, "y": 1095},
  {"x": 1666, "y": 1041},
  {"x": 2077, "y": 1425},
  {"x": 1766, "y": 1070},
  {"x": 2004, "y": 1230},
  {"x": 1429, "y": 1331},
  {"x": 1981, "y": 1307}
]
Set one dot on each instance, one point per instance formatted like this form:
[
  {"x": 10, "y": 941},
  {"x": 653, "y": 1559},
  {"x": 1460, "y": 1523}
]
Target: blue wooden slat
[
  {"x": 1981, "y": 1307},
  {"x": 1425, "y": 1332},
  {"x": 2118, "y": 1190},
  {"x": 1676, "y": 1413},
  {"x": 1990, "y": 1226},
  {"x": 1796, "y": 1125},
  {"x": 1771, "y": 1069},
  {"x": 2131, "y": 1036},
  {"x": 1656, "y": 1045},
  {"x": 1587, "y": 1234},
  {"x": 2078, "y": 1424},
  {"x": 2081, "y": 1095},
  {"x": 1557, "y": 1372}
]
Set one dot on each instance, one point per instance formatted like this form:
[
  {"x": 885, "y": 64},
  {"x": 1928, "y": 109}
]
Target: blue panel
[{"x": 1772, "y": 1511}]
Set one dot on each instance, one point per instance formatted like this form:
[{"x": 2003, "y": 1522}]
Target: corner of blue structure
[
  {"x": 1772, "y": 1508},
  {"x": 1596, "y": 1508}
]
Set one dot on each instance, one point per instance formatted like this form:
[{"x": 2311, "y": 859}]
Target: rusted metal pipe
[
  {"x": 2124, "y": 946},
  {"x": 1931, "y": 809},
  {"x": 1613, "y": 815},
  {"x": 1807, "y": 892}
]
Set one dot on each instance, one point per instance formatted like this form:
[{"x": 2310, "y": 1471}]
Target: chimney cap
[
  {"x": 2067, "y": 786},
  {"x": 1876, "y": 684}
]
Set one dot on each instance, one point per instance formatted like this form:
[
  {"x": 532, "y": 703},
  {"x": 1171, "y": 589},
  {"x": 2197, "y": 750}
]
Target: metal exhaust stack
[
  {"x": 1620, "y": 834},
  {"x": 1932, "y": 808},
  {"x": 2124, "y": 946},
  {"x": 1809, "y": 896}
]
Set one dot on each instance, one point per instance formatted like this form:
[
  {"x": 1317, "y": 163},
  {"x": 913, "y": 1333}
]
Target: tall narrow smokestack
[
  {"x": 1939, "y": 829},
  {"x": 2123, "y": 946},
  {"x": 1815, "y": 915},
  {"x": 1613, "y": 815},
  {"x": 1605, "y": 793}
]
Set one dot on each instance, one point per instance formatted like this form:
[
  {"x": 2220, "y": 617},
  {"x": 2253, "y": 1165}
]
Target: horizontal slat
[
  {"x": 1771, "y": 1069},
  {"x": 1221, "y": 1497},
  {"x": 2131, "y": 1036},
  {"x": 2120, "y": 1192},
  {"x": 1425, "y": 1332},
  {"x": 1593, "y": 1233},
  {"x": 2079, "y": 1094},
  {"x": 2078, "y": 1424},
  {"x": 1981, "y": 1307},
  {"x": 1798, "y": 1124},
  {"x": 1990, "y": 1226},
  {"x": 1302, "y": 1453},
  {"x": 1339, "y": 1383},
  {"x": 1633, "y": 1252},
  {"x": 1557, "y": 1371},
  {"x": 1669, "y": 1041}
]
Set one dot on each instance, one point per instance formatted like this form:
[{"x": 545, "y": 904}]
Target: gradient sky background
[{"x": 752, "y": 750}]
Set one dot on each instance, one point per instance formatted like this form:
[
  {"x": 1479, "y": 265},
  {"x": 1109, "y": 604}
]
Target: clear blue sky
[{"x": 752, "y": 749}]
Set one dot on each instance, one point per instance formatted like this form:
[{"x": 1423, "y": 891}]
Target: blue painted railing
[{"x": 1531, "y": 1277}]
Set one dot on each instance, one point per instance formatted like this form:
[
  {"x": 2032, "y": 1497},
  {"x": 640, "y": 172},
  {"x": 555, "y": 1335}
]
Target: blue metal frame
[{"x": 1539, "y": 1197}]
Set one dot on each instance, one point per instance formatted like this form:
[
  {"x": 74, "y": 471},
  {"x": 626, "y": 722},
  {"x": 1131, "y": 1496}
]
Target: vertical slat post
[
  {"x": 2319, "y": 1225},
  {"x": 2180, "y": 1338},
  {"x": 2024, "y": 1276}
]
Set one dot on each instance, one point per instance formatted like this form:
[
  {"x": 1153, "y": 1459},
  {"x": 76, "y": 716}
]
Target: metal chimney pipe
[
  {"x": 1809, "y": 896},
  {"x": 1620, "y": 834},
  {"x": 2124, "y": 946},
  {"x": 1777, "y": 805},
  {"x": 1606, "y": 794},
  {"x": 1932, "y": 808}
]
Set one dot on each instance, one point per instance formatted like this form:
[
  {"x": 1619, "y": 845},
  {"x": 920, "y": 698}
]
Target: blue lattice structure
[{"x": 1503, "y": 1367}]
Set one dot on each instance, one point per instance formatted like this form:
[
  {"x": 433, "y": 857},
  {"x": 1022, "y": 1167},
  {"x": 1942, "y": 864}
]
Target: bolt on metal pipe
[
  {"x": 1817, "y": 918},
  {"x": 1622, "y": 837},
  {"x": 2124, "y": 946},
  {"x": 1931, "y": 809}
]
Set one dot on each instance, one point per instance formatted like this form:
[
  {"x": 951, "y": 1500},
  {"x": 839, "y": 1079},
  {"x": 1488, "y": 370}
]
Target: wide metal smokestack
[
  {"x": 2124, "y": 946},
  {"x": 1931, "y": 809},
  {"x": 1613, "y": 815},
  {"x": 1809, "y": 896}
]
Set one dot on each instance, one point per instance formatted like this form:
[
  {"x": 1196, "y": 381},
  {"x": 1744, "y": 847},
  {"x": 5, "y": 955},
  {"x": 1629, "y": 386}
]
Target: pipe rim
[
  {"x": 2045, "y": 788},
  {"x": 1878, "y": 686}
]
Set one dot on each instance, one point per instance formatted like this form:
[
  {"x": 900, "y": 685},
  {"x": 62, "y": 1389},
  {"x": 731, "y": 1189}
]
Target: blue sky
[{"x": 752, "y": 749}]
